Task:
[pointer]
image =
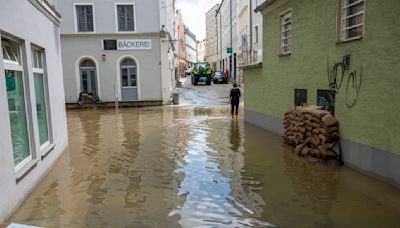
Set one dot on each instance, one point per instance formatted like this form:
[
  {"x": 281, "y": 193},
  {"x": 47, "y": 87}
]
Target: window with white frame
[
  {"x": 351, "y": 13},
  {"x": 41, "y": 99},
  {"x": 286, "y": 33},
  {"x": 84, "y": 18},
  {"x": 125, "y": 18},
  {"x": 14, "y": 77},
  {"x": 128, "y": 73}
]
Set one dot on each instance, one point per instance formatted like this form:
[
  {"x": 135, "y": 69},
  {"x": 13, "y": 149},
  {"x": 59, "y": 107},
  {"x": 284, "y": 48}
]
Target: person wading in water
[{"x": 234, "y": 99}]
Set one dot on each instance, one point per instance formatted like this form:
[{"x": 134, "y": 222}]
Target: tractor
[{"x": 201, "y": 73}]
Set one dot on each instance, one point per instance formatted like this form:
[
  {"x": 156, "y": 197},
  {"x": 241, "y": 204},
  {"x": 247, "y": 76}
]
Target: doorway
[
  {"x": 128, "y": 71},
  {"x": 87, "y": 70}
]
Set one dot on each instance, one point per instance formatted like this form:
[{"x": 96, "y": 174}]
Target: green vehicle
[{"x": 201, "y": 73}]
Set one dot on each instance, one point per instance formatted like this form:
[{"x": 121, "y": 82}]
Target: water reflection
[
  {"x": 210, "y": 170},
  {"x": 235, "y": 138},
  {"x": 195, "y": 167}
]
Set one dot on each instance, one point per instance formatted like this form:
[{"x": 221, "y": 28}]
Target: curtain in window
[
  {"x": 125, "y": 18},
  {"x": 85, "y": 18}
]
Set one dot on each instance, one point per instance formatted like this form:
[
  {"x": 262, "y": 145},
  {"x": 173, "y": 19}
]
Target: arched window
[
  {"x": 88, "y": 63},
  {"x": 87, "y": 69},
  {"x": 128, "y": 73}
]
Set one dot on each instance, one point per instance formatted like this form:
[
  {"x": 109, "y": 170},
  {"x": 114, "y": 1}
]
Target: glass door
[
  {"x": 128, "y": 83},
  {"x": 88, "y": 81}
]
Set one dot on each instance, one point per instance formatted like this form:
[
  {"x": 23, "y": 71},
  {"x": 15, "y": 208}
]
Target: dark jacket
[{"x": 235, "y": 95}]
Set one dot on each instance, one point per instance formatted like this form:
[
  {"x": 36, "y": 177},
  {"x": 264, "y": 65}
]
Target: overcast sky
[{"x": 193, "y": 13}]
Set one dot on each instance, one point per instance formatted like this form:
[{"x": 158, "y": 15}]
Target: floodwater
[{"x": 196, "y": 167}]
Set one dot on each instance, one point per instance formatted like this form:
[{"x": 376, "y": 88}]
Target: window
[
  {"x": 256, "y": 34},
  {"x": 41, "y": 105},
  {"x": 351, "y": 19},
  {"x": 286, "y": 33},
  {"x": 84, "y": 18},
  {"x": 128, "y": 73},
  {"x": 11, "y": 52},
  {"x": 16, "y": 102},
  {"x": 125, "y": 18}
]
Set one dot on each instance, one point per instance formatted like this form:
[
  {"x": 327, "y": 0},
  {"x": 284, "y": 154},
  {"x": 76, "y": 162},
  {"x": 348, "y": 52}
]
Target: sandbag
[{"x": 329, "y": 120}]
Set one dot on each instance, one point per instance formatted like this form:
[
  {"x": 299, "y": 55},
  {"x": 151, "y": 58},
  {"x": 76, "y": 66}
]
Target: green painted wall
[{"x": 375, "y": 119}]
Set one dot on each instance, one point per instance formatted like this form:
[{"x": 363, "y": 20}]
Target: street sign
[{"x": 229, "y": 50}]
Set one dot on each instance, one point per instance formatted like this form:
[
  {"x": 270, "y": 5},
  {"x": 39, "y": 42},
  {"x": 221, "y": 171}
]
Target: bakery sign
[{"x": 127, "y": 44}]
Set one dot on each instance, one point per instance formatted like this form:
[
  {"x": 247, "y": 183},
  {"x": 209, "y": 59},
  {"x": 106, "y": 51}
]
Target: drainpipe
[
  {"x": 220, "y": 39},
  {"x": 231, "y": 59},
  {"x": 251, "y": 31}
]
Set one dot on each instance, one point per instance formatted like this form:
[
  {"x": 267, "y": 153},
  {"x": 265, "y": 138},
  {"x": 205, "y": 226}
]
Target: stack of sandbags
[{"x": 311, "y": 130}]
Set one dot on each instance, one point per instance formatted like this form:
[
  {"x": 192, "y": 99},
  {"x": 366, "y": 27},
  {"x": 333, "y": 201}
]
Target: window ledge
[
  {"x": 286, "y": 54},
  {"x": 21, "y": 174},
  {"x": 85, "y": 32},
  {"x": 125, "y": 32},
  {"x": 349, "y": 40},
  {"x": 46, "y": 151},
  {"x": 251, "y": 66}
]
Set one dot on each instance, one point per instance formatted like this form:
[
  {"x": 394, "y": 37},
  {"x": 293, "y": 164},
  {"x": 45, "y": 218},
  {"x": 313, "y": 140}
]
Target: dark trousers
[{"x": 234, "y": 107}]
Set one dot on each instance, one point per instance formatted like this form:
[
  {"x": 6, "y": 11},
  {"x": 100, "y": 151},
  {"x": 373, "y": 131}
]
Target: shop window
[
  {"x": 351, "y": 19},
  {"x": 40, "y": 92},
  {"x": 128, "y": 73},
  {"x": 125, "y": 18},
  {"x": 286, "y": 33},
  {"x": 84, "y": 18},
  {"x": 16, "y": 102}
]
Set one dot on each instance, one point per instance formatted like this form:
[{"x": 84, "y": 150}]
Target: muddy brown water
[{"x": 195, "y": 167}]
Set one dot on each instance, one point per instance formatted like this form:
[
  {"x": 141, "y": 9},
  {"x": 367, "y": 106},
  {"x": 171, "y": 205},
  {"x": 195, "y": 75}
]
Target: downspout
[
  {"x": 251, "y": 31},
  {"x": 231, "y": 59}
]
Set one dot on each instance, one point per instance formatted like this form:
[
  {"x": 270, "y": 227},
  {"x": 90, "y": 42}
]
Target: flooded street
[{"x": 193, "y": 166}]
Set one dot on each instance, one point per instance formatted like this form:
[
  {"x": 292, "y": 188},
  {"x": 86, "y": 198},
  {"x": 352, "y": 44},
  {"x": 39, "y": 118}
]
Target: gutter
[
  {"x": 219, "y": 8},
  {"x": 264, "y": 5},
  {"x": 48, "y": 10}
]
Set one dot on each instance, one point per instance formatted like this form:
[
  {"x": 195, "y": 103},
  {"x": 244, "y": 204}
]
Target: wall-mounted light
[{"x": 103, "y": 57}]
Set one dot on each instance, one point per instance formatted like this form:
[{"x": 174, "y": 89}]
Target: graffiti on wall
[{"x": 338, "y": 74}]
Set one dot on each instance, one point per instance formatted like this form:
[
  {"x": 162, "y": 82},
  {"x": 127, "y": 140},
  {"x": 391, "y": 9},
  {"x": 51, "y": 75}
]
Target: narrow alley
[{"x": 191, "y": 165}]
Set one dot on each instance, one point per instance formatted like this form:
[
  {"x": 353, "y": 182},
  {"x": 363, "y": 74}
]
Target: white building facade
[
  {"x": 257, "y": 32},
  {"x": 212, "y": 37},
  {"x": 201, "y": 51},
  {"x": 228, "y": 38},
  {"x": 119, "y": 50},
  {"x": 33, "y": 127},
  {"x": 249, "y": 48},
  {"x": 191, "y": 47}
]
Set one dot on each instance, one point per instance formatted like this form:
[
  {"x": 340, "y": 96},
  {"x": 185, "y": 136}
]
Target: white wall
[
  {"x": 156, "y": 76},
  {"x": 22, "y": 20},
  {"x": 191, "y": 49},
  {"x": 225, "y": 27},
  {"x": 147, "y": 15},
  {"x": 211, "y": 45}
]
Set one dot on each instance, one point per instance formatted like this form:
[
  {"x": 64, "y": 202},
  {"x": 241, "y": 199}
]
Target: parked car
[
  {"x": 219, "y": 78},
  {"x": 188, "y": 71}
]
